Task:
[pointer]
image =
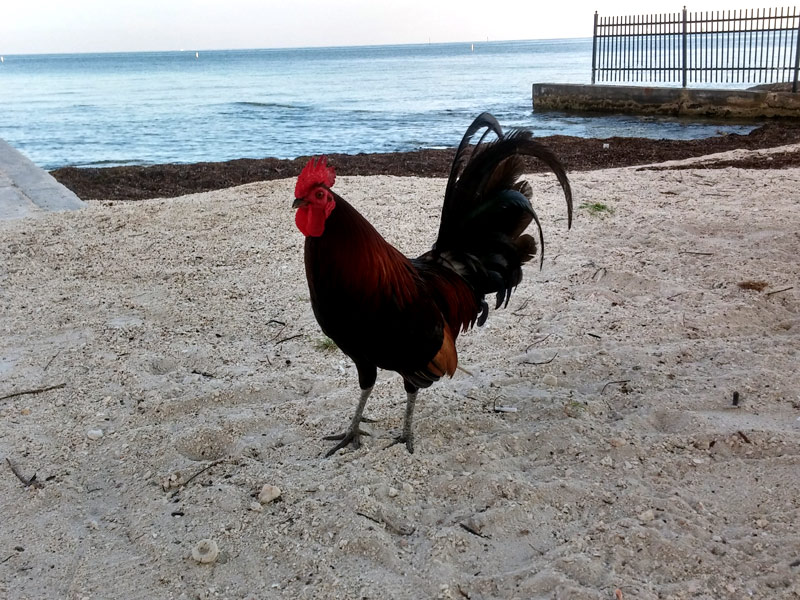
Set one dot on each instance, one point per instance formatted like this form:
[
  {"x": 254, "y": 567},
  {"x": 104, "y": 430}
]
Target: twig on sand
[
  {"x": 544, "y": 362},
  {"x": 696, "y": 253},
  {"x": 280, "y": 331},
  {"x": 203, "y": 470},
  {"x": 203, "y": 374},
  {"x": 366, "y": 516},
  {"x": 196, "y": 475},
  {"x": 521, "y": 307},
  {"x": 34, "y": 391},
  {"x": 286, "y": 339},
  {"x": 473, "y": 531},
  {"x": 791, "y": 287},
  {"x": 25, "y": 481},
  {"x": 389, "y": 524},
  {"x": 532, "y": 344},
  {"x": 49, "y": 362},
  {"x": 623, "y": 381}
]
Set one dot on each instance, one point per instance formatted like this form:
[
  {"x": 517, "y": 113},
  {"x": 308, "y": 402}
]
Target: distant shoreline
[
  {"x": 577, "y": 154},
  {"x": 476, "y": 42}
]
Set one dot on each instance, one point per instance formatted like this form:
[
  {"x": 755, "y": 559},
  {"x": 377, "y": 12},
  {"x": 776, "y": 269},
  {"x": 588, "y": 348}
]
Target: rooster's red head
[{"x": 314, "y": 200}]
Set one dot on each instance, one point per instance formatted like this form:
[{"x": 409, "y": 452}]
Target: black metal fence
[{"x": 734, "y": 46}]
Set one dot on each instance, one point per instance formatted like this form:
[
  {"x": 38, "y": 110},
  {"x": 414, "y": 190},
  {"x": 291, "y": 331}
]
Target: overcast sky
[{"x": 37, "y": 26}]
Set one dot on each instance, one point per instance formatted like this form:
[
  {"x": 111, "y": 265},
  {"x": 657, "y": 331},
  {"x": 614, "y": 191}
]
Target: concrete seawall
[{"x": 743, "y": 104}]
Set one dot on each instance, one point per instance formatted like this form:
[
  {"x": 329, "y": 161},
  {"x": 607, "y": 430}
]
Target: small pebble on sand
[
  {"x": 94, "y": 434},
  {"x": 269, "y": 493},
  {"x": 205, "y": 551}
]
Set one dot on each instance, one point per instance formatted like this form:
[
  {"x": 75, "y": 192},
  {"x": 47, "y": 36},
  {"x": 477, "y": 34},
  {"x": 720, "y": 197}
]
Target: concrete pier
[{"x": 738, "y": 104}]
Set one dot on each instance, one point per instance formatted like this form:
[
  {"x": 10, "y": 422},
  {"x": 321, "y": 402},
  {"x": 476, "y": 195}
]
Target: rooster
[{"x": 387, "y": 311}]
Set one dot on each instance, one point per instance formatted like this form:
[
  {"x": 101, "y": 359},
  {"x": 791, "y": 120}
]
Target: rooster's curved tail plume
[{"x": 487, "y": 208}]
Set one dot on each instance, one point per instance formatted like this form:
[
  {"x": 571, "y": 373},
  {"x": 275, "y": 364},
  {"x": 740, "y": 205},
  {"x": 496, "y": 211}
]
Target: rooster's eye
[{"x": 319, "y": 194}]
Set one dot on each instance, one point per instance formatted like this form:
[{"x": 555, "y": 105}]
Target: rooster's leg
[
  {"x": 353, "y": 433},
  {"x": 407, "y": 437}
]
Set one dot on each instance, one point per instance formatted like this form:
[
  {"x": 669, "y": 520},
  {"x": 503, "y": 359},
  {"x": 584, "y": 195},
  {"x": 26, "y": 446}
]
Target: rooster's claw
[{"x": 348, "y": 437}]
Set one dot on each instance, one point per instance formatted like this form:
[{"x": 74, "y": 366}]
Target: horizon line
[{"x": 321, "y": 47}]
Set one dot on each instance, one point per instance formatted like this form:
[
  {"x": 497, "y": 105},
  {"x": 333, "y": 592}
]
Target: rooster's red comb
[{"x": 314, "y": 173}]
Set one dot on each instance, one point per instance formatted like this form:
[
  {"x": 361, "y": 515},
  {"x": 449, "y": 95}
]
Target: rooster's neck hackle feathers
[{"x": 353, "y": 255}]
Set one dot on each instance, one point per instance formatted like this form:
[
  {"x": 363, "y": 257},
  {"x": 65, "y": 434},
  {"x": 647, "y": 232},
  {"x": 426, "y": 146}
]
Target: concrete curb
[{"x": 26, "y": 190}]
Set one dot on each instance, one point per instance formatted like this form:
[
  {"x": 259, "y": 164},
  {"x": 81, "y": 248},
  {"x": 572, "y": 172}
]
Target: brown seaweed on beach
[{"x": 577, "y": 154}]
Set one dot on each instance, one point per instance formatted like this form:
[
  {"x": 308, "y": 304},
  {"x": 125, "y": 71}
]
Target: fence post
[
  {"x": 594, "y": 49},
  {"x": 683, "y": 51},
  {"x": 796, "y": 59}
]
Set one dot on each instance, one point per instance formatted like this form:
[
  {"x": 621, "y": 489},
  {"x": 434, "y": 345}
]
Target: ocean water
[{"x": 184, "y": 107}]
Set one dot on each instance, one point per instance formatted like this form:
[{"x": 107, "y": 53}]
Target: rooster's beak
[{"x": 298, "y": 202}]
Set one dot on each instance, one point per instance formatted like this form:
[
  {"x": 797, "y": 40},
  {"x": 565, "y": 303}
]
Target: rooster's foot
[
  {"x": 351, "y": 436},
  {"x": 403, "y": 439}
]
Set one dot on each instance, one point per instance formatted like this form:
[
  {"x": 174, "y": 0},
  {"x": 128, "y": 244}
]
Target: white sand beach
[{"x": 592, "y": 451}]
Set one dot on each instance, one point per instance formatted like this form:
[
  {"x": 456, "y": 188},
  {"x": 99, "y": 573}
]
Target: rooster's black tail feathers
[{"x": 487, "y": 208}]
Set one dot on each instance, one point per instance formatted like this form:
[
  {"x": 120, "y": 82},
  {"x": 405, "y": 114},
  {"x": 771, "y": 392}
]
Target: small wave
[
  {"x": 109, "y": 163},
  {"x": 250, "y": 104}
]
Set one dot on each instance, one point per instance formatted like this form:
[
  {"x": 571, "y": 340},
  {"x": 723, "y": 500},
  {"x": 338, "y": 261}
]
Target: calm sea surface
[{"x": 183, "y": 107}]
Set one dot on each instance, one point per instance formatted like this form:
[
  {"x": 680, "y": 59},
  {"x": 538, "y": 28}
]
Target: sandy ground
[{"x": 194, "y": 374}]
